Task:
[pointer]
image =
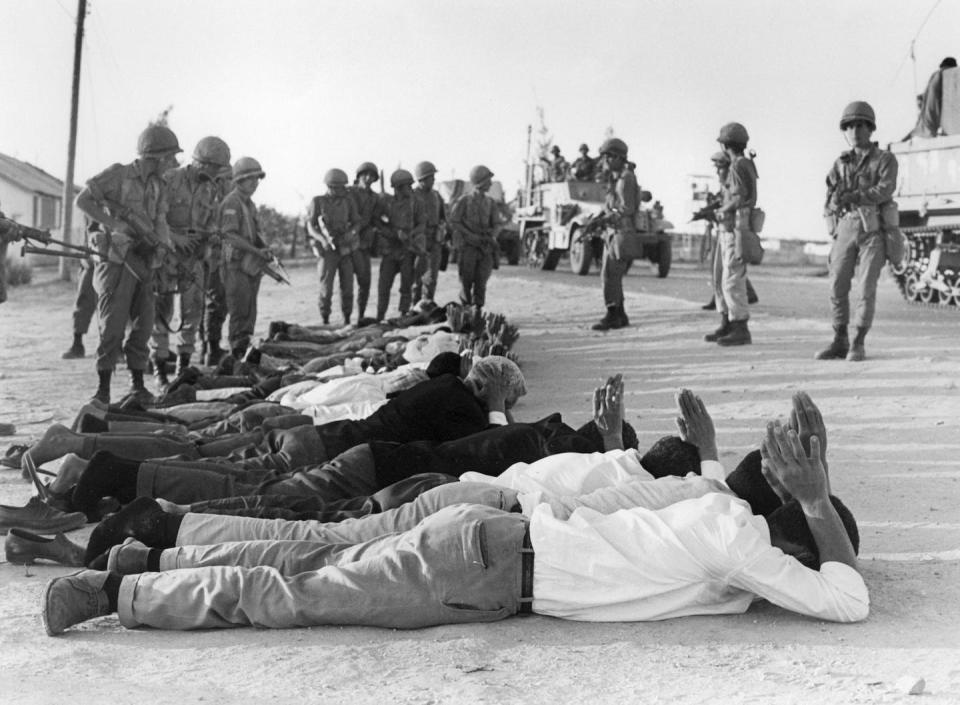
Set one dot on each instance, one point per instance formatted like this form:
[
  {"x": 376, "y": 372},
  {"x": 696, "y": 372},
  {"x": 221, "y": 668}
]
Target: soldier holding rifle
[
  {"x": 11, "y": 231},
  {"x": 334, "y": 225},
  {"x": 129, "y": 200}
]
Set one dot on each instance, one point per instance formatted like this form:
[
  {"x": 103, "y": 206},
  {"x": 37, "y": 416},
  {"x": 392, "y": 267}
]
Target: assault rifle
[
  {"x": 33, "y": 235},
  {"x": 265, "y": 261}
]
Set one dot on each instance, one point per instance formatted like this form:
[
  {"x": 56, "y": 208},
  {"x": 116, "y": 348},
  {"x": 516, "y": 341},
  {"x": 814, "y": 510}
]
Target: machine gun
[
  {"x": 709, "y": 211},
  {"x": 33, "y": 235}
]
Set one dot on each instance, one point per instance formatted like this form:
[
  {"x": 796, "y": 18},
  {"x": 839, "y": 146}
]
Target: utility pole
[{"x": 66, "y": 218}]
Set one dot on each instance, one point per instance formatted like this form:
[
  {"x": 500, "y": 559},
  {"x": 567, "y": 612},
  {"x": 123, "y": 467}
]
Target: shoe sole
[{"x": 46, "y": 604}]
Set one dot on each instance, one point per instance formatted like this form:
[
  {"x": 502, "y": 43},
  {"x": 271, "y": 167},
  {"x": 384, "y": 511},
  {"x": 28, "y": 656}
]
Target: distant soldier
[
  {"x": 584, "y": 167},
  {"x": 402, "y": 241},
  {"x": 474, "y": 223},
  {"x": 333, "y": 225},
  {"x": 860, "y": 183},
  {"x": 369, "y": 209},
  {"x": 428, "y": 264},
  {"x": 193, "y": 198},
  {"x": 84, "y": 306},
  {"x": 622, "y": 204},
  {"x": 244, "y": 253},
  {"x": 130, "y": 202},
  {"x": 734, "y": 218},
  {"x": 216, "y": 306},
  {"x": 11, "y": 231},
  {"x": 557, "y": 167}
]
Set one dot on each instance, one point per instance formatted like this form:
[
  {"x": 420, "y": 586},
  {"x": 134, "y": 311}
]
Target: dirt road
[{"x": 893, "y": 448}]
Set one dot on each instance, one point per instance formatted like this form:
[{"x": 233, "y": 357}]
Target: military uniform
[
  {"x": 9, "y": 232},
  {"x": 584, "y": 168},
  {"x": 622, "y": 202},
  {"x": 215, "y": 314},
  {"x": 337, "y": 217},
  {"x": 193, "y": 215},
  {"x": 739, "y": 200},
  {"x": 369, "y": 208},
  {"x": 474, "y": 222},
  {"x": 402, "y": 241},
  {"x": 124, "y": 278},
  {"x": 428, "y": 264},
  {"x": 241, "y": 271}
]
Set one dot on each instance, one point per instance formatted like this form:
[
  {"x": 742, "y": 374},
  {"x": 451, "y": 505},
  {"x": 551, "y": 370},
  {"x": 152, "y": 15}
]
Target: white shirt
[{"x": 708, "y": 555}]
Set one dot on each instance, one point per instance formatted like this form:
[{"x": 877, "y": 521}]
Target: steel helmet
[
  {"x": 156, "y": 141},
  {"x": 555, "y": 149},
  {"x": 584, "y": 148},
  {"x": 733, "y": 132},
  {"x": 335, "y": 177},
  {"x": 858, "y": 110},
  {"x": 423, "y": 170},
  {"x": 212, "y": 150},
  {"x": 369, "y": 167},
  {"x": 401, "y": 177},
  {"x": 479, "y": 174},
  {"x": 245, "y": 167},
  {"x": 614, "y": 145},
  {"x": 720, "y": 158}
]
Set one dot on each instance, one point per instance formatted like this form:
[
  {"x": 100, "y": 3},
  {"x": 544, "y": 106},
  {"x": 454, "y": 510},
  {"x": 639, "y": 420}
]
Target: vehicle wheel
[
  {"x": 580, "y": 254},
  {"x": 664, "y": 259},
  {"x": 551, "y": 260},
  {"x": 928, "y": 295},
  {"x": 910, "y": 289},
  {"x": 513, "y": 253}
]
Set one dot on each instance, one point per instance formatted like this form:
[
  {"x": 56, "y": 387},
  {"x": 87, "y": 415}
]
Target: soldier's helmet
[
  {"x": 720, "y": 159},
  {"x": 401, "y": 177},
  {"x": 555, "y": 149},
  {"x": 335, "y": 177},
  {"x": 584, "y": 148},
  {"x": 212, "y": 150},
  {"x": 614, "y": 145},
  {"x": 423, "y": 170},
  {"x": 369, "y": 168},
  {"x": 245, "y": 167},
  {"x": 858, "y": 110},
  {"x": 733, "y": 132},
  {"x": 479, "y": 174},
  {"x": 157, "y": 141}
]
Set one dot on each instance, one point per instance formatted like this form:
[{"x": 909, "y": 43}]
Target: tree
[{"x": 279, "y": 231}]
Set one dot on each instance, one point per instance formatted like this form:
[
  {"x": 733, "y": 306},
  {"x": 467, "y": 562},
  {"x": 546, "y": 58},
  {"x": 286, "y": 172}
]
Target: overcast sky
[{"x": 306, "y": 85}]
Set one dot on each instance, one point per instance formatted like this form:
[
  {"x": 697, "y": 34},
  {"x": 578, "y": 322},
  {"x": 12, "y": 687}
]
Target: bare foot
[
  {"x": 172, "y": 507},
  {"x": 70, "y": 470},
  {"x": 56, "y": 443}
]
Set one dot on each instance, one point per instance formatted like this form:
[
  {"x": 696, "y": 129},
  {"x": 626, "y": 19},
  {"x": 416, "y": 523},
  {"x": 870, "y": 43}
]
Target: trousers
[
  {"x": 85, "y": 303},
  {"x": 126, "y": 296},
  {"x": 362, "y": 271},
  {"x": 476, "y": 266},
  {"x": 390, "y": 266},
  {"x": 189, "y": 297},
  {"x": 855, "y": 252},
  {"x": 330, "y": 264},
  {"x": 427, "y": 270},
  {"x": 731, "y": 285},
  {"x": 216, "y": 310},
  {"x": 461, "y": 564},
  {"x": 241, "y": 294}
]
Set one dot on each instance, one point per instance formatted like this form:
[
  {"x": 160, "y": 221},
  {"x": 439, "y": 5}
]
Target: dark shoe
[
  {"x": 610, "y": 321},
  {"x": 857, "y": 353},
  {"x": 11, "y": 458},
  {"x": 837, "y": 350},
  {"x": 215, "y": 354},
  {"x": 711, "y": 305},
  {"x": 73, "y": 599},
  {"x": 719, "y": 332},
  {"x": 622, "y": 319},
  {"x": 140, "y": 519},
  {"x": 38, "y": 516},
  {"x": 739, "y": 335},
  {"x": 752, "y": 297},
  {"x": 325, "y": 319},
  {"x": 74, "y": 353},
  {"x": 129, "y": 558},
  {"x": 24, "y": 548},
  {"x": 160, "y": 372},
  {"x": 101, "y": 396}
]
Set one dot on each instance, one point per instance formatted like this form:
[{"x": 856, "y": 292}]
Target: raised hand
[
  {"x": 789, "y": 469},
  {"x": 695, "y": 425},
  {"x": 608, "y": 411},
  {"x": 806, "y": 420}
]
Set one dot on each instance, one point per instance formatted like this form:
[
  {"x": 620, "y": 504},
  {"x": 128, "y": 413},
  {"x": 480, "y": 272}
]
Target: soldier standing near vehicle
[
  {"x": 402, "y": 241},
  {"x": 369, "y": 209},
  {"x": 860, "y": 187},
  {"x": 428, "y": 264},
  {"x": 584, "y": 167},
  {"x": 474, "y": 223},
  {"x": 193, "y": 198},
  {"x": 130, "y": 203},
  {"x": 244, "y": 253},
  {"x": 557, "y": 167},
  {"x": 333, "y": 225},
  {"x": 734, "y": 219},
  {"x": 622, "y": 204}
]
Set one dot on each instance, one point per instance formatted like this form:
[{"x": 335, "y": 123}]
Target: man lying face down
[{"x": 707, "y": 554}]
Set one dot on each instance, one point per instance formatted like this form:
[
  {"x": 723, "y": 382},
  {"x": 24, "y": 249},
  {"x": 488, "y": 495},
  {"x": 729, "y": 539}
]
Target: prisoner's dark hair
[
  {"x": 791, "y": 524},
  {"x": 948, "y": 63},
  {"x": 749, "y": 484},
  {"x": 671, "y": 455},
  {"x": 590, "y": 431},
  {"x": 444, "y": 363}
]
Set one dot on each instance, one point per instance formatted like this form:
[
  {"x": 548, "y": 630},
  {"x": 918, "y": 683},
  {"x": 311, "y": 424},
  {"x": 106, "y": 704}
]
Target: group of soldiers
[
  {"x": 584, "y": 167},
  {"x": 408, "y": 229}
]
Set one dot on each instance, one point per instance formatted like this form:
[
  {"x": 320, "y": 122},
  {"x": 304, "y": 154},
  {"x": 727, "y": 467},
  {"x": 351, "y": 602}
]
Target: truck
[
  {"x": 928, "y": 196},
  {"x": 564, "y": 217}
]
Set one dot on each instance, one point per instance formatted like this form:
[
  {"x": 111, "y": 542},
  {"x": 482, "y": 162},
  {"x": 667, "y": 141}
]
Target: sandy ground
[{"x": 893, "y": 449}]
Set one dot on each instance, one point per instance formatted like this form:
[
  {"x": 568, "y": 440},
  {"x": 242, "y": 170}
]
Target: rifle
[
  {"x": 29, "y": 235},
  {"x": 269, "y": 264},
  {"x": 708, "y": 212}
]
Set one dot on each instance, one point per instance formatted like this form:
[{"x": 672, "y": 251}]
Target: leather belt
[{"x": 526, "y": 573}]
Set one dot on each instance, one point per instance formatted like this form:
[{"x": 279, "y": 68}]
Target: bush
[{"x": 18, "y": 272}]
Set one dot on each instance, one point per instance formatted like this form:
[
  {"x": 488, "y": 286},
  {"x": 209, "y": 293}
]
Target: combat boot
[
  {"x": 103, "y": 386},
  {"x": 138, "y": 391},
  {"x": 183, "y": 362},
  {"x": 711, "y": 305},
  {"x": 622, "y": 319},
  {"x": 739, "y": 334},
  {"x": 76, "y": 350},
  {"x": 719, "y": 332},
  {"x": 160, "y": 371},
  {"x": 837, "y": 350},
  {"x": 610, "y": 320},
  {"x": 215, "y": 353},
  {"x": 857, "y": 351}
]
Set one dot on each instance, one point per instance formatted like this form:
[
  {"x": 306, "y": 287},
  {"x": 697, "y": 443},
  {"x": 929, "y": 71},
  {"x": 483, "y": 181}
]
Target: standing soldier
[
  {"x": 193, "y": 198},
  {"x": 402, "y": 242},
  {"x": 428, "y": 265},
  {"x": 584, "y": 167},
  {"x": 215, "y": 314},
  {"x": 860, "y": 187},
  {"x": 84, "y": 306},
  {"x": 734, "y": 216},
  {"x": 622, "y": 204},
  {"x": 11, "y": 231},
  {"x": 557, "y": 168},
  {"x": 244, "y": 253},
  {"x": 474, "y": 223},
  {"x": 129, "y": 201},
  {"x": 369, "y": 209},
  {"x": 333, "y": 226}
]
